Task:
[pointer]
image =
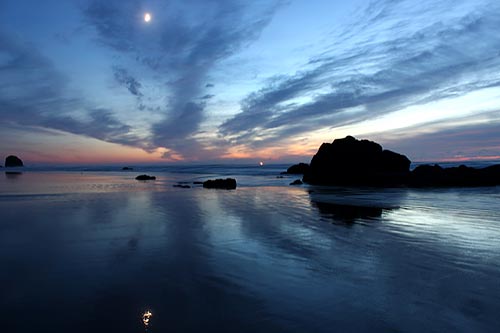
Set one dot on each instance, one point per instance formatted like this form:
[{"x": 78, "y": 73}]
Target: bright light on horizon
[{"x": 147, "y": 17}]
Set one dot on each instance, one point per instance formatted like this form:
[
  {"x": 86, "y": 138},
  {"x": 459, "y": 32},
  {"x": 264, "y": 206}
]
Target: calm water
[{"x": 92, "y": 251}]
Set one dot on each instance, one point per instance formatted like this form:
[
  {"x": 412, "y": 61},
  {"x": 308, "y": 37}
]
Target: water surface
[{"x": 91, "y": 252}]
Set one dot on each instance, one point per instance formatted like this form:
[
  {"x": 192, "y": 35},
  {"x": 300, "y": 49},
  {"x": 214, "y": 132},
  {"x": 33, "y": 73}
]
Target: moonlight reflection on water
[{"x": 146, "y": 317}]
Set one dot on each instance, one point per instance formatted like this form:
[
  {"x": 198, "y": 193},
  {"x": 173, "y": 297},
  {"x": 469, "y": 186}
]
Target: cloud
[
  {"x": 207, "y": 96},
  {"x": 179, "y": 127},
  {"x": 98, "y": 123},
  {"x": 33, "y": 93},
  {"x": 472, "y": 136},
  {"x": 397, "y": 54},
  {"x": 113, "y": 22},
  {"x": 183, "y": 46},
  {"x": 123, "y": 77}
]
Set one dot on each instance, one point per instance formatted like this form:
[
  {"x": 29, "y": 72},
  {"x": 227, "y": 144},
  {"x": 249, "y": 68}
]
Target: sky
[{"x": 91, "y": 82}]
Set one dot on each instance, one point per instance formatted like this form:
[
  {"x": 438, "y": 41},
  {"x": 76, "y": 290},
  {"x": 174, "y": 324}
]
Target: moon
[{"x": 147, "y": 17}]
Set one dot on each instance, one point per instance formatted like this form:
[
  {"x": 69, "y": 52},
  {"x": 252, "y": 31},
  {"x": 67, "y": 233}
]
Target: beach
[{"x": 89, "y": 251}]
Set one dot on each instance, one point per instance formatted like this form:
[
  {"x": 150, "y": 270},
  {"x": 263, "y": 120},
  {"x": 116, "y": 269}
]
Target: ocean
[{"x": 90, "y": 249}]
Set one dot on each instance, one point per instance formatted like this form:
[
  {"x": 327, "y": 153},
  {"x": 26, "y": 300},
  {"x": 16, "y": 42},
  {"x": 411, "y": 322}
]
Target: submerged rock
[
  {"x": 13, "y": 161},
  {"x": 296, "y": 182},
  {"x": 182, "y": 186},
  {"x": 145, "y": 177},
  {"x": 350, "y": 161},
  {"x": 226, "y": 184}
]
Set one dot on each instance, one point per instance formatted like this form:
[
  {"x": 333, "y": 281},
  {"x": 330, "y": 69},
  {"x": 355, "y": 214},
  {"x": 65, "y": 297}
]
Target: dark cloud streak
[{"x": 123, "y": 77}]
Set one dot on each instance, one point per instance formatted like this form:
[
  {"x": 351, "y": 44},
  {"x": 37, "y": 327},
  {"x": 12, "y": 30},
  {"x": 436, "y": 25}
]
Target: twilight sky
[{"x": 89, "y": 81}]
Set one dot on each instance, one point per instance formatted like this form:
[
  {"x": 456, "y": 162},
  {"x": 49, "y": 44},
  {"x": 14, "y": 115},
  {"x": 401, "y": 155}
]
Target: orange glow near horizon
[
  {"x": 69, "y": 149},
  {"x": 112, "y": 156},
  {"x": 272, "y": 153},
  {"x": 471, "y": 158},
  {"x": 64, "y": 148}
]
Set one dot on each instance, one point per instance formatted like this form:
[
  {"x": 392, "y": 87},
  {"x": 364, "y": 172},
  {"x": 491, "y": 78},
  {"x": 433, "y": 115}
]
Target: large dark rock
[
  {"x": 145, "y": 177},
  {"x": 298, "y": 169},
  {"x": 226, "y": 184},
  {"x": 13, "y": 161},
  {"x": 350, "y": 161}
]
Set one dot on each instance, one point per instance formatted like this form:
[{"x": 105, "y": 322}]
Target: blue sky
[{"x": 90, "y": 81}]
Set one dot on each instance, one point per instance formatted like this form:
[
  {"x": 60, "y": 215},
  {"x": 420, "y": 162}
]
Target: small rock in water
[
  {"x": 13, "y": 161},
  {"x": 226, "y": 184},
  {"x": 298, "y": 169},
  {"x": 145, "y": 177},
  {"x": 296, "y": 182}
]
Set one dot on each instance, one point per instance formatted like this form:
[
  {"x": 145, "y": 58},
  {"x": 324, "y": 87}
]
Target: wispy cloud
[
  {"x": 183, "y": 46},
  {"x": 468, "y": 137},
  {"x": 33, "y": 93},
  {"x": 396, "y": 54}
]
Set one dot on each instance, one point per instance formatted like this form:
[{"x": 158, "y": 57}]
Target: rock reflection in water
[
  {"x": 13, "y": 174},
  {"x": 347, "y": 213},
  {"x": 349, "y": 205}
]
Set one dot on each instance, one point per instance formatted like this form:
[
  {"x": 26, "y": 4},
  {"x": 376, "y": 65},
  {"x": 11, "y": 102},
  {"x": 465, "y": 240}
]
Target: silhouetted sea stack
[
  {"x": 357, "y": 162},
  {"x": 225, "y": 184},
  {"x": 145, "y": 177},
  {"x": 351, "y": 162},
  {"x": 13, "y": 161},
  {"x": 298, "y": 169}
]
